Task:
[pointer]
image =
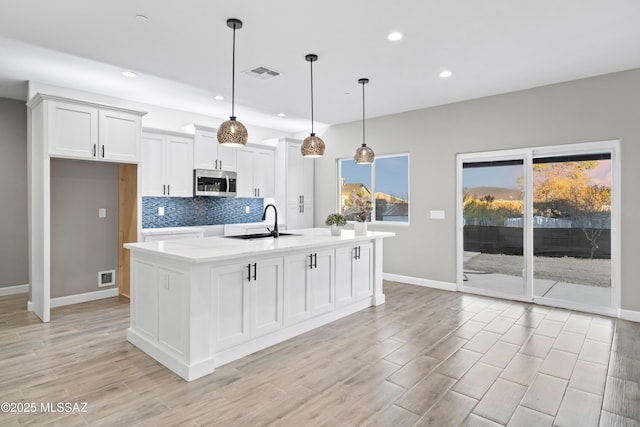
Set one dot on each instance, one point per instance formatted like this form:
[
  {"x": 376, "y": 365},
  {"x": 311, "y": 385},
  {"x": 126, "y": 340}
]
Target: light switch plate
[
  {"x": 160, "y": 211},
  {"x": 102, "y": 212},
  {"x": 247, "y": 210},
  {"x": 437, "y": 214}
]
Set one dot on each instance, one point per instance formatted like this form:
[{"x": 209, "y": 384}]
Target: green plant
[{"x": 336, "y": 219}]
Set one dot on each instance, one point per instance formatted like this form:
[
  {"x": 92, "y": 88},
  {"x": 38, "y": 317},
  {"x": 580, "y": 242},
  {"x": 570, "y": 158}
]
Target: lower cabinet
[
  {"x": 172, "y": 298},
  {"x": 308, "y": 285},
  {"x": 354, "y": 273},
  {"x": 247, "y": 301}
]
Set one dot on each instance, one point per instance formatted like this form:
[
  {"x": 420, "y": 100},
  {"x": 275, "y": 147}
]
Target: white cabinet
[
  {"x": 247, "y": 301},
  {"x": 86, "y": 131},
  {"x": 308, "y": 285},
  {"x": 161, "y": 290},
  {"x": 255, "y": 169},
  {"x": 299, "y": 187},
  {"x": 209, "y": 154},
  {"x": 167, "y": 164},
  {"x": 354, "y": 273}
]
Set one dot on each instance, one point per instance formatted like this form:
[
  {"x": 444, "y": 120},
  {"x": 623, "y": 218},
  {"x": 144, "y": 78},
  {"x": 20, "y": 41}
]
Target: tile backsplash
[{"x": 193, "y": 211}]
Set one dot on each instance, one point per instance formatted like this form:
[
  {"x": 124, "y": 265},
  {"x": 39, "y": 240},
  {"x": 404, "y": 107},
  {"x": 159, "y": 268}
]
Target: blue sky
[{"x": 391, "y": 175}]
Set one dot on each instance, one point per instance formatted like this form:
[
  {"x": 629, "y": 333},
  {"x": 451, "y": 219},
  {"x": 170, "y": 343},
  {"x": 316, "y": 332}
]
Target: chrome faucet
[{"x": 273, "y": 232}]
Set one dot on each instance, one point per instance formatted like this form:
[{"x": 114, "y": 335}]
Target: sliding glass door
[
  {"x": 540, "y": 225},
  {"x": 493, "y": 232},
  {"x": 572, "y": 228}
]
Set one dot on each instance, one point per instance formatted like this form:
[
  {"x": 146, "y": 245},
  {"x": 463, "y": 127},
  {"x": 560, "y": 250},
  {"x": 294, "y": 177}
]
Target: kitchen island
[{"x": 197, "y": 304}]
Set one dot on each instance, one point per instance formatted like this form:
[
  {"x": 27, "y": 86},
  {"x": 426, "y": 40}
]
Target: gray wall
[
  {"x": 14, "y": 256},
  {"x": 595, "y": 109},
  {"x": 81, "y": 243}
]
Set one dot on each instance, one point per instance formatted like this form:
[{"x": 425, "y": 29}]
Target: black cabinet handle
[
  {"x": 310, "y": 260},
  {"x": 255, "y": 271},
  {"x": 94, "y": 150},
  {"x": 315, "y": 260},
  {"x": 216, "y": 166},
  {"x": 356, "y": 251},
  {"x": 103, "y": 151},
  {"x": 164, "y": 189},
  {"x": 168, "y": 189},
  {"x": 220, "y": 164},
  {"x": 249, "y": 268}
]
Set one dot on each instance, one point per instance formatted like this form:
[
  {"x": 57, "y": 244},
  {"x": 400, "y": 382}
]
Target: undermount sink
[{"x": 258, "y": 236}]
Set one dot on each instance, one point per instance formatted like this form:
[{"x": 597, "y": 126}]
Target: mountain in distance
[{"x": 498, "y": 193}]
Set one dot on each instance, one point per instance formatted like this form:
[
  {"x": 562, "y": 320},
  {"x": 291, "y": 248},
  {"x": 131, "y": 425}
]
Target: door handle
[
  {"x": 220, "y": 164},
  {"x": 310, "y": 260},
  {"x": 103, "y": 151},
  {"x": 249, "y": 276},
  {"x": 216, "y": 166},
  {"x": 164, "y": 189},
  {"x": 94, "y": 150},
  {"x": 255, "y": 271},
  {"x": 315, "y": 260},
  {"x": 168, "y": 189}
]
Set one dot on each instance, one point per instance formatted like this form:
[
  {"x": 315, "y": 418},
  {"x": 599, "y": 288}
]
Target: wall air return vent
[
  {"x": 261, "y": 72},
  {"x": 106, "y": 278}
]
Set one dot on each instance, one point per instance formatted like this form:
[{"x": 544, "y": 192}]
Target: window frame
[{"x": 374, "y": 220}]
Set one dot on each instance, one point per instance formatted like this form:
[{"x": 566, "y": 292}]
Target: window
[{"x": 378, "y": 192}]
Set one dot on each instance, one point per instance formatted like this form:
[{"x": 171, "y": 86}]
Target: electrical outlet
[
  {"x": 102, "y": 212},
  {"x": 247, "y": 210},
  {"x": 161, "y": 211}
]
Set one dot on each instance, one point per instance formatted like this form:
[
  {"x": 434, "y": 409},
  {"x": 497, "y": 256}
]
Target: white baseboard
[
  {"x": 445, "y": 286},
  {"x": 12, "y": 290},
  {"x": 86, "y": 297},
  {"x": 631, "y": 315}
]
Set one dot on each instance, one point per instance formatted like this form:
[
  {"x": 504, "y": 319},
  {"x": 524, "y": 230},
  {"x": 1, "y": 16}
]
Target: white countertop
[
  {"x": 210, "y": 249},
  {"x": 171, "y": 230}
]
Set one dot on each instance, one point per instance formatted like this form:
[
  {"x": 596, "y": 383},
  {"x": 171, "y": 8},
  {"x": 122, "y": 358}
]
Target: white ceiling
[{"x": 183, "y": 52}]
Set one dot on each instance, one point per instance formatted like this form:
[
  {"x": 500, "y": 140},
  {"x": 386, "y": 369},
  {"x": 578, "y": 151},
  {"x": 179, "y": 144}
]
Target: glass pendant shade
[
  {"x": 312, "y": 146},
  {"x": 364, "y": 155},
  {"x": 232, "y": 133}
]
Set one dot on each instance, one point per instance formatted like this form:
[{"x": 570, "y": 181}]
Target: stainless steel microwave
[{"x": 218, "y": 183}]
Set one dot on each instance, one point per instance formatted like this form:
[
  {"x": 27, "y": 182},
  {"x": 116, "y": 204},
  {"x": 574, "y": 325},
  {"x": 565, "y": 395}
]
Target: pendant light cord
[
  {"x": 312, "y": 132},
  {"x": 363, "y": 139},
  {"x": 233, "y": 73}
]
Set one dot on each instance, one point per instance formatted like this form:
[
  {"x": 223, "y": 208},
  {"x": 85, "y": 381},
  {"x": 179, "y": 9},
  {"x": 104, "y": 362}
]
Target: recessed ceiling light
[
  {"x": 142, "y": 18},
  {"x": 281, "y": 115},
  {"x": 445, "y": 74},
  {"x": 395, "y": 36},
  {"x": 129, "y": 74},
  {"x": 219, "y": 98}
]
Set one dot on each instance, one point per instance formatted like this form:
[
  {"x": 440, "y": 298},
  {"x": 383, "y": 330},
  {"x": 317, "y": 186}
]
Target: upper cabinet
[
  {"x": 209, "y": 154},
  {"x": 81, "y": 130},
  {"x": 294, "y": 183},
  {"x": 255, "y": 172},
  {"x": 167, "y": 164}
]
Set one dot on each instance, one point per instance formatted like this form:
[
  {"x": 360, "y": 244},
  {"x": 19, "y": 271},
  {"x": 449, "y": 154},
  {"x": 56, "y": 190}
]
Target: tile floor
[{"x": 425, "y": 358}]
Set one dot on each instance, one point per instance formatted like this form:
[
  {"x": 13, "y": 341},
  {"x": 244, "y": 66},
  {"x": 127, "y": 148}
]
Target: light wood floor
[{"x": 426, "y": 357}]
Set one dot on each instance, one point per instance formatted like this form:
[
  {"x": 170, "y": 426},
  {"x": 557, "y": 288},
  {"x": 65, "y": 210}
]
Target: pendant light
[
  {"x": 364, "y": 155},
  {"x": 312, "y": 146},
  {"x": 232, "y": 133}
]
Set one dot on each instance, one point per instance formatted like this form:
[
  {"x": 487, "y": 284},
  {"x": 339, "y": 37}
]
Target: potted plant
[
  {"x": 336, "y": 221},
  {"x": 359, "y": 209}
]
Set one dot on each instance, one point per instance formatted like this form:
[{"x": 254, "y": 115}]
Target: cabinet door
[
  {"x": 244, "y": 183},
  {"x": 172, "y": 303},
  {"x": 72, "y": 130},
  {"x": 179, "y": 166},
  {"x": 322, "y": 296},
  {"x": 306, "y": 178},
  {"x": 152, "y": 165},
  {"x": 231, "y": 302},
  {"x": 306, "y": 217},
  {"x": 294, "y": 217},
  {"x": 267, "y": 296},
  {"x": 226, "y": 157},
  {"x": 294, "y": 168},
  {"x": 344, "y": 272},
  {"x": 297, "y": 295},
  {"x": 205, "y": 150},
  {"x": 119, "y": 136},
  {"x": 264, "y": 172},
  {"x": 362, "y": 271}
]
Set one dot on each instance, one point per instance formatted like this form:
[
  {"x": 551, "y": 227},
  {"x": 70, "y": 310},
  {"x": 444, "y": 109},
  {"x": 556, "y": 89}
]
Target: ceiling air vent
[{"x": 261, "y": 72}]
